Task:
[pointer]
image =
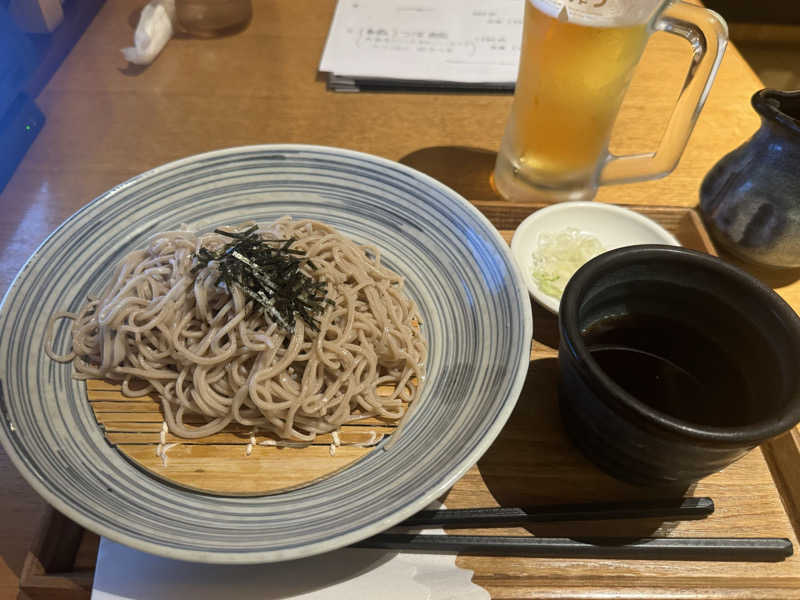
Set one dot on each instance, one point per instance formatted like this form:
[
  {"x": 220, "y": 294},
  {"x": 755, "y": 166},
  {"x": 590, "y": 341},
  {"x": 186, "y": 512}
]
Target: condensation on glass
[{"x": 577, "y": 59}]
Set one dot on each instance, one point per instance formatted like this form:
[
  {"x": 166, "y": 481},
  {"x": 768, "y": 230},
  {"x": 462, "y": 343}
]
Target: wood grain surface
[
  {"x": 237, "y": 461},
  {"x": 108, "y": 121}
]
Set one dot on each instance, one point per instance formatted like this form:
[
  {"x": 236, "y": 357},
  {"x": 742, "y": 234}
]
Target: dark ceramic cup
[{"x": 673, "y": 363}]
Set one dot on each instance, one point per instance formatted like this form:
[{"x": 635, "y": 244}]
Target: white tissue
[
  {"x": 155, "y": 27},
  {"x": 349, "y": 573}
]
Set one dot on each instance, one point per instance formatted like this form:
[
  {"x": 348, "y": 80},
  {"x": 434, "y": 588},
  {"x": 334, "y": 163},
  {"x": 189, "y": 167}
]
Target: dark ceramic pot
[
  {"x": 750, "y": 200},
  {"x": 745, "y": 346}
]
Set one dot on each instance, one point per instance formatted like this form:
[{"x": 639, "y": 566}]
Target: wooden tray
[{"x": 532, "y": 463}]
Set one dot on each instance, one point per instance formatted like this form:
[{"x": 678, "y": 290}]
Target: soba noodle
[{"x": 169, "y": 326}]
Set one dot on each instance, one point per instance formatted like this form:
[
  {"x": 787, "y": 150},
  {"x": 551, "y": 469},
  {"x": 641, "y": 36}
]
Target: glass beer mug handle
[{"x": 708, "y": 35}]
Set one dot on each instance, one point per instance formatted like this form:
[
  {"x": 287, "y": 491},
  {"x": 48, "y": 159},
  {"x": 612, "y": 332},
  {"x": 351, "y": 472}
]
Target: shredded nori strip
[{"x": 270, "y": 273}]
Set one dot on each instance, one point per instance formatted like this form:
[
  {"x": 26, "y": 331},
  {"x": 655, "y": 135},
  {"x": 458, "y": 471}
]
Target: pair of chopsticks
[{"x": 706, "y": 549}]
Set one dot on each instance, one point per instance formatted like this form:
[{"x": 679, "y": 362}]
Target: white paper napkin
[
  {"x": 156, "y": 24},
  {"x": 352, "y": 573}
]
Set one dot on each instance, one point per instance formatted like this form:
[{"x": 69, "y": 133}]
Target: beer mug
[{"x": 577, "y": 59}]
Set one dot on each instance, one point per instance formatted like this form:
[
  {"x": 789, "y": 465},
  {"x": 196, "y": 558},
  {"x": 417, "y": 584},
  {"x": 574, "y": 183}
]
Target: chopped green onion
[{"x": 559, "y": 255}]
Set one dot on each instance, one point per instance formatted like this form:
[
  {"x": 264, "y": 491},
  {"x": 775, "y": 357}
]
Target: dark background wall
[{"x": 783, "y": 12}]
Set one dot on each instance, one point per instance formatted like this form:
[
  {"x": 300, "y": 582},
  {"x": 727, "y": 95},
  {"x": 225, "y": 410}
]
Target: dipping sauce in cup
[{"x": 674, "y": 363}]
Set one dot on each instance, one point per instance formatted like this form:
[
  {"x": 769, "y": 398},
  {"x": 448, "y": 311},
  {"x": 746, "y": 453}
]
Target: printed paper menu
[{"x": 472, "y": 42}]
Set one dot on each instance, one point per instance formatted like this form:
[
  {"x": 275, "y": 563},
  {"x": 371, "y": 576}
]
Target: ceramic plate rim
[{"x": 403, "y": 512}]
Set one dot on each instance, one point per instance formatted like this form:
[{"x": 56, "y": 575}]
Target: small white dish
[{"x": 613, "y": 225}]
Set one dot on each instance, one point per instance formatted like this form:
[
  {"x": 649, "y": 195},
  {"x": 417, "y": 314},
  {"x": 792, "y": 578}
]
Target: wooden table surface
[{"x": 107, "y": 121}]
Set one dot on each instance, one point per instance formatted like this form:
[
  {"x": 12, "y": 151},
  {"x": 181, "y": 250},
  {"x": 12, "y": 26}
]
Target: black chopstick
[
  {"x": 704, "y": 549},
  {"x": 682, "y": 508}
]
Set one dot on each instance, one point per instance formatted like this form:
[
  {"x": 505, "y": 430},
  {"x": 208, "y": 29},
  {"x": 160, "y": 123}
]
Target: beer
[{"x": 573, "y": 75}]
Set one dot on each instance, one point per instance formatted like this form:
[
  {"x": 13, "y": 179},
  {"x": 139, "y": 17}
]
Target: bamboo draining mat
[{"x": 227, "y": 462}]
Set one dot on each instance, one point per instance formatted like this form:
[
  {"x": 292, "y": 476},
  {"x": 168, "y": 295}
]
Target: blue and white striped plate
[{"x": 473, "y": 303}]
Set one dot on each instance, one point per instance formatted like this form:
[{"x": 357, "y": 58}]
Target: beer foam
[{"x": 599, "y": 13}]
